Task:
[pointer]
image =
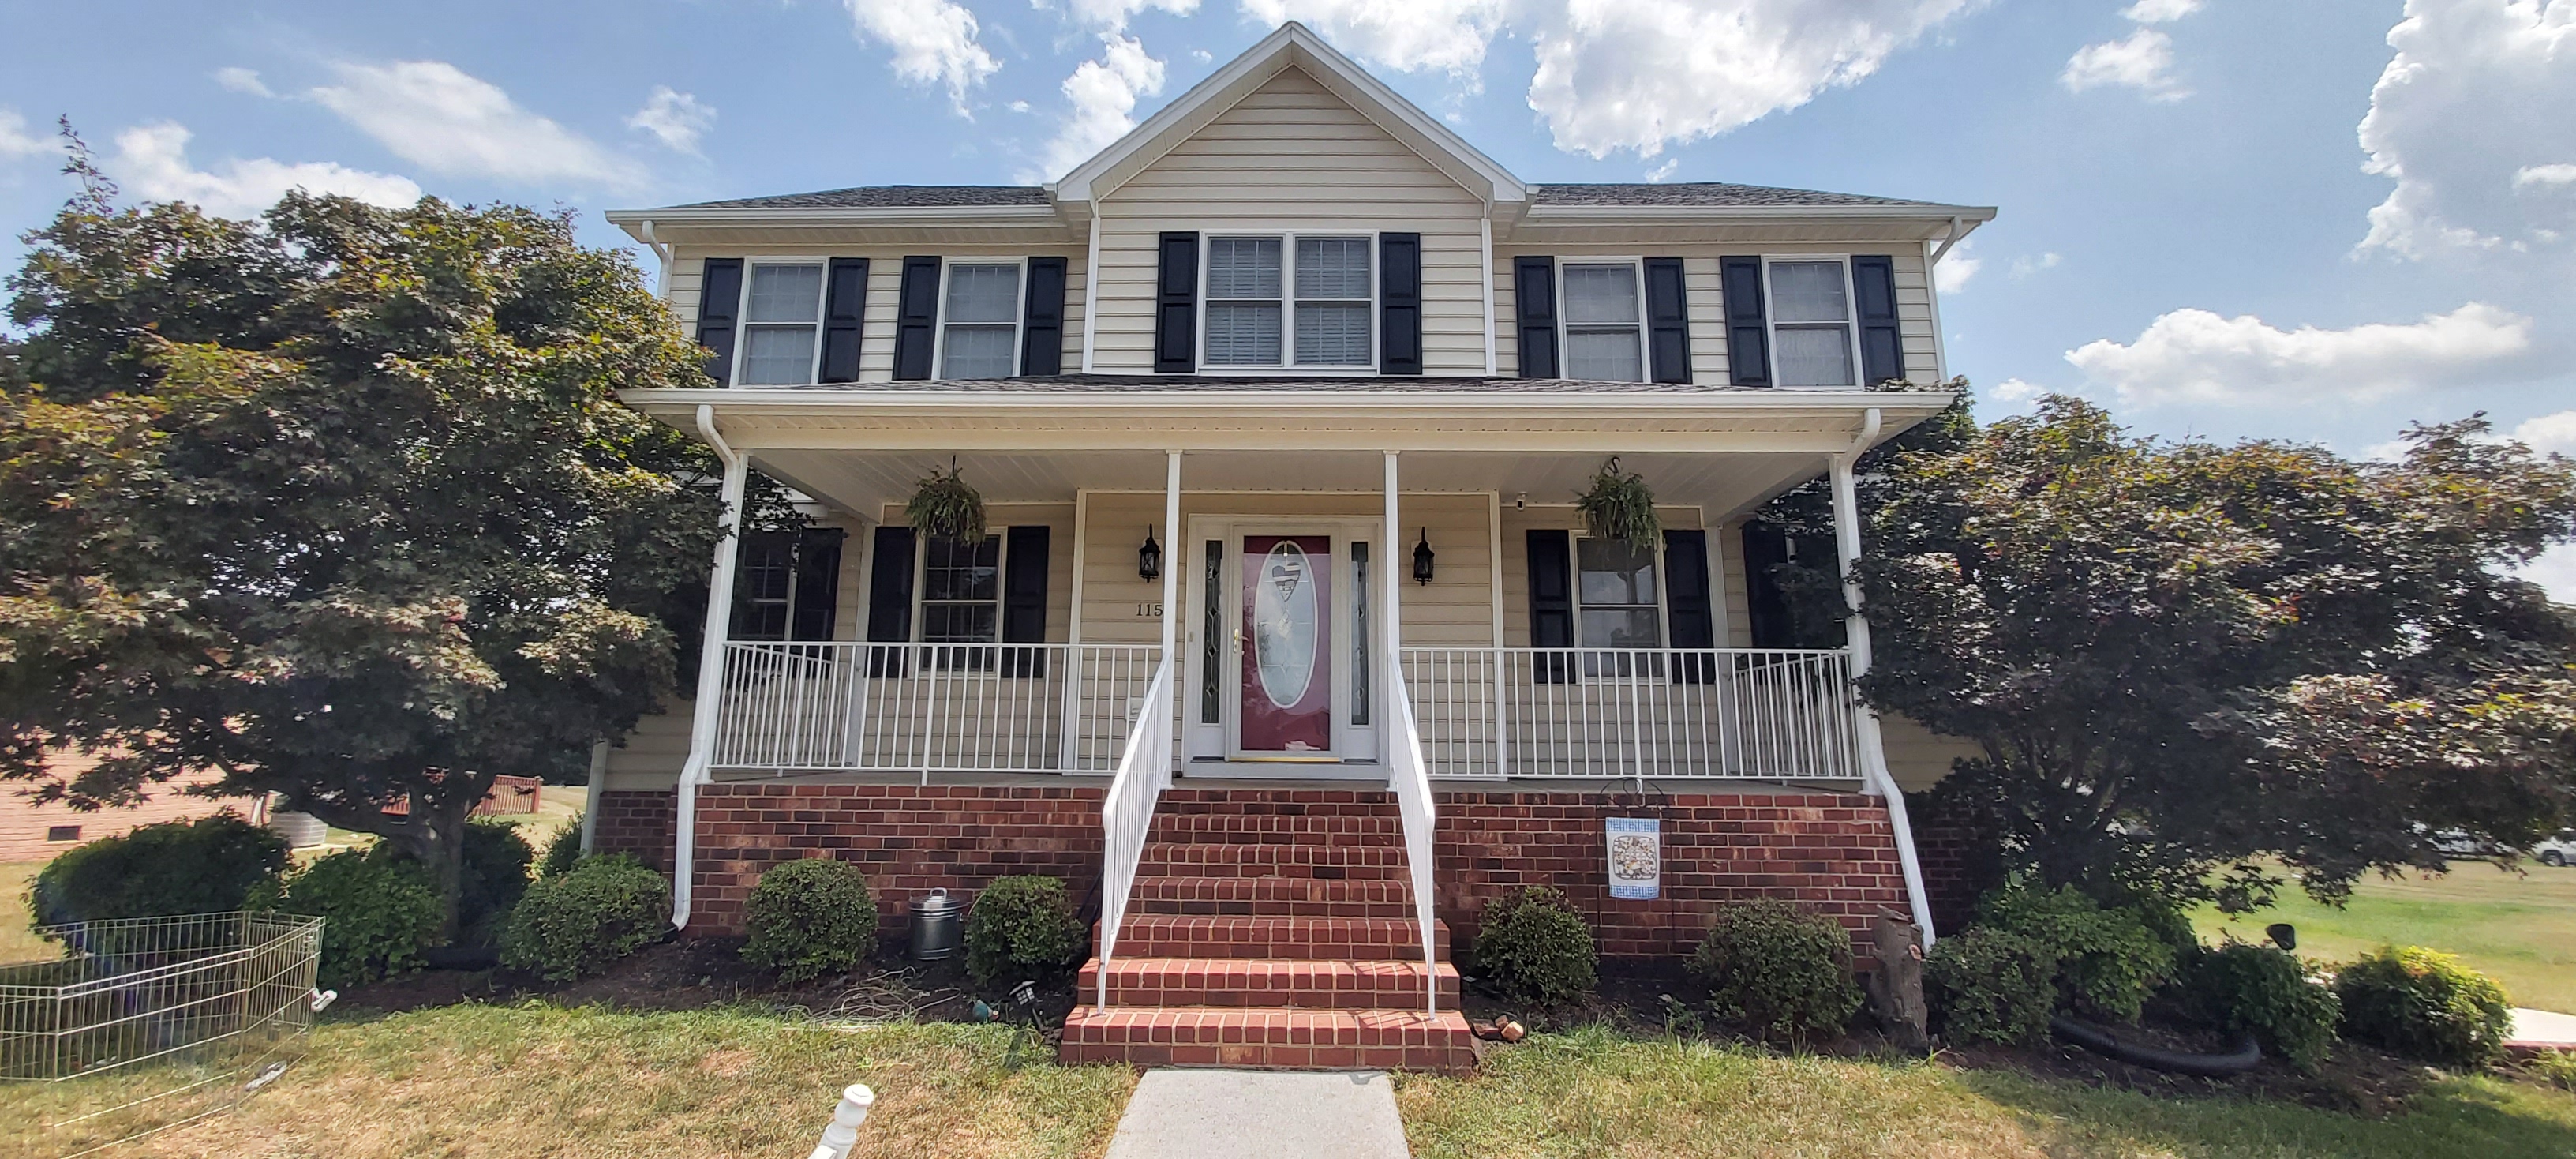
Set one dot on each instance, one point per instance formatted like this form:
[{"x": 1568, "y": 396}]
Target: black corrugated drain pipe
[{"x": 2099, "y": 1041}]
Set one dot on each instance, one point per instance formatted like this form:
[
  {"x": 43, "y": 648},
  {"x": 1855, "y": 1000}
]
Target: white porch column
[
  {"x": 711, "y": 663},
  {"x": 1172, "y": 557},
  {"x": 1391, "y": 614},
  {"x": 1873, "y": 751}
]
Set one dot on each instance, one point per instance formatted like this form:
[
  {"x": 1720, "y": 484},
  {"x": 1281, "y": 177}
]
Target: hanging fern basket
[
  {"x": 1620, "y": 506},
  {"x": 944, "y": 506}
]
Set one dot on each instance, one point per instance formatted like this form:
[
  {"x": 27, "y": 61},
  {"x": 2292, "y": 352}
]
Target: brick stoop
[{"x": 1261, "y": 936}]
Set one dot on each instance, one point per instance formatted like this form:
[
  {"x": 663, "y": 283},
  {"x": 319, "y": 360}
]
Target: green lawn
[
  {"x": 2519, "y": 928},
  {"x": 1592, "y": 1093}
]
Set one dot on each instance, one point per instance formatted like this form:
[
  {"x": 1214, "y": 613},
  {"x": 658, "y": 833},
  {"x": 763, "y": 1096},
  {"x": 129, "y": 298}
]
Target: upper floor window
[
  {"x": 782, "y": 315},
  {"x": 1264, "y": 310},
  {"x": 979, "y": 325},
  {"x": 1812, "y": 342},
  {"x": 1604, "y": 327}
]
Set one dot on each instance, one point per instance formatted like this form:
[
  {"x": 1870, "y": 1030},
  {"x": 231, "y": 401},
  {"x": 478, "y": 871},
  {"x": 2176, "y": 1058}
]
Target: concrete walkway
[
  {"x": 2541, "y": 1030},
  {"x": 1258, "y": 1114}
]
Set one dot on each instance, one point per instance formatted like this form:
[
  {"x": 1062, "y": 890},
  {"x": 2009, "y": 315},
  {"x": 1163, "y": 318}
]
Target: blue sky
[{"x": 2307, "y": 219}]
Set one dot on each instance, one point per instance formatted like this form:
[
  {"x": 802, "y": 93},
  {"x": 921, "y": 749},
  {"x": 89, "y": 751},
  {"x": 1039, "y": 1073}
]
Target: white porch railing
[
  {"x": 1411, "y": 783},
  {"x": 1127, "y": 814},
  {"x": 864, "y": 707},
  {"x": 1606, "y": 713}
]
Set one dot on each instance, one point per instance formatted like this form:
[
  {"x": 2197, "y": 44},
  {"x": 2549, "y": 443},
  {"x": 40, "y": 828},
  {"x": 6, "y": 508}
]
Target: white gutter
[
  {"x": 1542, "y": 213},
  {"x": 1958, "y": 229},
  {"x": 662, "y": 254},
  {"x": 711, "y": 649},
  {"x": 1873, "y": 748}
]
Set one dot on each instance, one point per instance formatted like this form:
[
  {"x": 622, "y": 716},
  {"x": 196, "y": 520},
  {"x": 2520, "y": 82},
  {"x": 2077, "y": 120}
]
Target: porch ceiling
[{"x": 1721, "y": 450}]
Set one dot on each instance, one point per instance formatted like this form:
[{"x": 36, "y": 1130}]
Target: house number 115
[{"x": 1149, "y": 611}]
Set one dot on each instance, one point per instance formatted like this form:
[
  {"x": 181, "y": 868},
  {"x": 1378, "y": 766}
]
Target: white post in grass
[{"x": 844, "y": 1131}]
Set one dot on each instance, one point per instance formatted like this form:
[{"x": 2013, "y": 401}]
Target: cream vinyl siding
[
  {"x": 1291, "y": 156},
  {"x": 1701, "y": 281},
  {"x": 1455, "y": 609},
  {"x": 885, "y": 282}
]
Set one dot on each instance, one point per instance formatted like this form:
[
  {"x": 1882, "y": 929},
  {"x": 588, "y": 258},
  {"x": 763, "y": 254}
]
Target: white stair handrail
[
  {"x": 1411, "y": 782},
  {"x": 1127, "y": 813}
]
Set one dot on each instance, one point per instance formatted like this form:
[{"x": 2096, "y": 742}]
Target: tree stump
[{"x": 1896, "y": 986}]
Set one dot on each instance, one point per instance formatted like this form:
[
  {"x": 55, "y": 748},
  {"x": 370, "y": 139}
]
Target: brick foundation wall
[
  {"x": 909, "y": 839},
  {"x": 1834, "y": 852}
]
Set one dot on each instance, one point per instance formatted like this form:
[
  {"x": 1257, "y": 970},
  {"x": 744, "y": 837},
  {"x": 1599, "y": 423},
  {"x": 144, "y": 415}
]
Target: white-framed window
[
  {"x": 1618, "y": 604},
  {"x": 1813, "y": 339},
  {"x": 1289, "y": 300},
  {"x": 1602, "y": 314},
  {"x": 961, "y": 590},
  {"x": 765, "y": 577},
  {"x": 782, "y": 323},
  {"x": 979, "y": 319}
]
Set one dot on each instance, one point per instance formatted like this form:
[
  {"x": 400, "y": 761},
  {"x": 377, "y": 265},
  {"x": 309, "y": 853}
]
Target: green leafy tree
[
  {"x": 2177, "y": 658},
  {"x": 338, "y": 502}
]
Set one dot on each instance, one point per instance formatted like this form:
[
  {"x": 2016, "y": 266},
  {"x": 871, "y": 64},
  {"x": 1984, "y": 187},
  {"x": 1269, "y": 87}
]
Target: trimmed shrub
[
  {"x": 2241, "y": 987},
  {"x": 1990, "y": 985},
  {"x": 1022, "y": 929},
  {"x": 2425, "y": 1004},
  {"x": 206, "y": 866},
  {"x": 1781, "y": 970},
  {"x": 377, "y": 911},
  {"x": 563, "y": 850},
  {"x": 2103, "y": 963},
  {"x": 492, "y": 878},
  {"x": 810, "y": 918},
  {"x": 581, "y": 922},
  {"x": 1532, "y": 947}
]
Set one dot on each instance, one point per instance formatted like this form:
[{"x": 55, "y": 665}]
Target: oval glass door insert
[{"x": 1285, "y": 621}]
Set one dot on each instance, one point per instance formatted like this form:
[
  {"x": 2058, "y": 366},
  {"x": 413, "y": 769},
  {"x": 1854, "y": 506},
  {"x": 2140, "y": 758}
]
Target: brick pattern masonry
[{"x": 1832, "y": 851}]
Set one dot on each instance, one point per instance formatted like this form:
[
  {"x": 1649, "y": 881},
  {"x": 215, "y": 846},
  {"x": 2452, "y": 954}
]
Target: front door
[{"x": 1286, "y": 645}]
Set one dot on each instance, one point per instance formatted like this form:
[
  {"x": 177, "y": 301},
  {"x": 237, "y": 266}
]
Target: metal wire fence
[{"x": 138, "y": 989}]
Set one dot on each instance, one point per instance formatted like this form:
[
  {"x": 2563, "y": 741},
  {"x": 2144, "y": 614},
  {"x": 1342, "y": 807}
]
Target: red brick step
[
  {"x": 1270, "y": 982},
  {"x": 1310, "y": 1039},
  {"x": 1304, "y": 897},
  {"x": 1253, "y": 859},
  {"x": 1349, "y": 939}
]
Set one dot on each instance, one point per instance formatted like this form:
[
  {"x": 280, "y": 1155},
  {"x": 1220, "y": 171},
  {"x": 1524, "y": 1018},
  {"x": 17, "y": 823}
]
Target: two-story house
[{"x": 1288, "y": 648}]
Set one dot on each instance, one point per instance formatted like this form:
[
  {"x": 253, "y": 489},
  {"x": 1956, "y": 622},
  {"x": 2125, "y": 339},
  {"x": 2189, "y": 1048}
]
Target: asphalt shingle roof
[{"x": 1712, "y": 194}]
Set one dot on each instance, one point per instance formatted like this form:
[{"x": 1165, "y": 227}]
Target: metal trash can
[{"x": 935, "y": 926}]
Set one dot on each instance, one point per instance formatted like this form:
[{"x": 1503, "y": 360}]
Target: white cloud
[
  {"x": 1665, "y": 171},
  {"x": 2549, "y": 433},
  {"x": 242, "y": 80},
  {"x": 1102, "y": 96},
  {"x": 2014, "y": 390},
  {"x": 2555, "y": 572},
  {"x": 1202, "y": 56},
  {"x": 2195, "y": 356},
  {"x": 151, "y": 161},
  {"x": 676, "y": 119},
  {"x": 1635, "y": 74},
  {"x": 2476, "y": 95},
  {"x": 16, "y": 140},
  {"x": 434, "y": 114},
  {"x": 1112, "y": 15},
  {"x": 2160, "y": 11},
  {"x": 1956, "y": 267},
  {"x": 933, "y": 41},
  {"x": 2530, "y": 175},
  {"x": 2025, "y": 266},
  {"x": 2142, "y": 61}
]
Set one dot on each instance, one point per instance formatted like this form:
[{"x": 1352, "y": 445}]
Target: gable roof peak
[{"x": 1291, "y": 45}]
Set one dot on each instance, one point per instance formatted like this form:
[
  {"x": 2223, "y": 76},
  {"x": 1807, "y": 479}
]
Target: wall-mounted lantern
[
  {"x": 1149, "y": 558},
  {"x": 1422, "y": 558}
]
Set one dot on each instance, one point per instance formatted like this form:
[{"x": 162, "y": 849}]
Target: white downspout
[
  {"x": 1873, "y": 750},
  {"x": 711, "y": 659},
  {"x": 662, "y": 259},
  {"x": 598, "y": 785}
]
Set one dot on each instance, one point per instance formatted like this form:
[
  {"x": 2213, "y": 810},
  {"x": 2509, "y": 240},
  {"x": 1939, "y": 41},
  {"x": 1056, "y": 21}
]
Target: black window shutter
[
  {"x": 1766, "y": 607},
  {"x": 916, "y": 318},
  {"x": 1024, "y": 600},
  {"x": 890, "y": 598},
  {"x": 1882, "y": 342},
  {"x": 1176, "y": 305},
  {"x": 1694, "y": 620},
  {"x": 1667, "y": 321},
  {"x": 1551, "y": 603},
  {"x": 845, "y": 303},
  {"x": 1534, "y": 295},
  {"x": 719, "y": 300},
  {"x": 1399, "y": 303},
  {"x": 1748, "y": 345},
  {"x": 818, "y": 584},
  {"x": 1042, "y": 325}
]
